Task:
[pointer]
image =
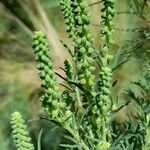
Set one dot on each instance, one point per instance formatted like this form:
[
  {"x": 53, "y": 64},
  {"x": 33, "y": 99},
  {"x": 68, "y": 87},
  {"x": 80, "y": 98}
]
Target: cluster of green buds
[
  {"x": 69, "y": 69},
  {"x": 105, "y": 78},
  {"x": 19, "y": 133},
  {"x": 108, "y": 13},
  {"x": 51, "y": 94},
  {"x": 104, "y": 85},
  {"x": 104, "y": 105},
  {"x": 83, "y": 45},
  {"x": 77, "y": 19},
  {"x": 68, "y": 16},
  {"x": 77, "y": 5}
]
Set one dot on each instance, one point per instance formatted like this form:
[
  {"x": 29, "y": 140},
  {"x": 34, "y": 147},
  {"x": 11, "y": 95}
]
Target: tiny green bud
[{"x": 83, "y": 81}]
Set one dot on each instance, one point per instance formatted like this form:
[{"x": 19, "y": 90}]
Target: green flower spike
[
  {"x": 50, "y": 96},
  {"x": 104, "y": 87},
  {"x": 105, "y": 77},
  {"x": 107, "y": 16},
  {"x": 68, "y": 16},
  {"x": 19, "y": 133},
  {"x": 77, "y": 20},
  {"x": 83, "y": 45}
]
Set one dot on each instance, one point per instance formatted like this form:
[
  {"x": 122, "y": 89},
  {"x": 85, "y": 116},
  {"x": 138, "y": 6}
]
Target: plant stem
[{"x": 78, "y": 97}]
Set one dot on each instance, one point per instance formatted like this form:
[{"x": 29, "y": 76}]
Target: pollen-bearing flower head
[
  {"x": 45, "y": 67},
  {"x": 68, "y": 16},
  {"x": 19, "y": 132},
  {"x": 108, "y": 13}
]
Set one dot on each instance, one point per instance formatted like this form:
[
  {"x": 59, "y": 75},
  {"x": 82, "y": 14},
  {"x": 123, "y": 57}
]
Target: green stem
[
  {"x": 78, "y": 97},
  {"x": 104, "y": 130}
]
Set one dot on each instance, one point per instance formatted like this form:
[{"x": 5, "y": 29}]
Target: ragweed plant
[
  {"x": 86, "y": 108},
  {"x": 20, "y": 133}
]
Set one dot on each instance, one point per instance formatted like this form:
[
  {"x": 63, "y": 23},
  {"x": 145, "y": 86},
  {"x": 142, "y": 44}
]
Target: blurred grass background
[{"x": 19, "y": 80}]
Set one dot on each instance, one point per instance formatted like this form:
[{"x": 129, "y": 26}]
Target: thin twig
[
  {"x": 66, "y": 87},
  {"x": 69, "y": 50},
  {"x": 60, "y": 76},
  {"x": 62, "y": 69},
  {"x": 121, "y": 107}
]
